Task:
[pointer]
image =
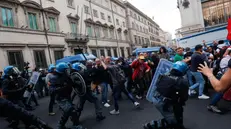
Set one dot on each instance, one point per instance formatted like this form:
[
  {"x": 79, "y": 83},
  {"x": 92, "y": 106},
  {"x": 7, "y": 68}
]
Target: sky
[{"x": 165, "y": 13}]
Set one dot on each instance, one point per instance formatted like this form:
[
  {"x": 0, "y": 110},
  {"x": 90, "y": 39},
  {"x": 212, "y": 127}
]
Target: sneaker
[
  {"x": 214, "y": 109},
  {"x": 189, "y": 92},
  {"x": 193, "y": 92},
  {"x": 136, "y": 104},
  {"x": 51, "y": 114},
  {"x": 114, "y": 112},
  {"x": 106, "y": 105},
  {"x": 138, "y": 97},
  {"x": 203, "y": 97}
]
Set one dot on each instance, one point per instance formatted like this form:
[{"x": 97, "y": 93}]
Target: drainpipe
[
  {"x": 96, "y": 40},
  {"x": 46, "y": 35},
  {"x": 115, "y": 27}
]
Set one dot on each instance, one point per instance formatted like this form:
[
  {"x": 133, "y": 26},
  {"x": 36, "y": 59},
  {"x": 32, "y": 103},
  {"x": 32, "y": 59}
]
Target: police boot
[
  {"x": 154, "y": 125},
  {"x": 100, "y": 117},
  {"x": 62, "y": 122}
]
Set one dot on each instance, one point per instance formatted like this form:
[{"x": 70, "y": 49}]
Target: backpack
[
  {"x": 118, "y": 74},
  {"x": 173, "y": 87}
]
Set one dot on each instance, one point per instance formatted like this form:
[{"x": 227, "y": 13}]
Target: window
[
  {"x": 52, "y": 24},
  {"x": 144, "y": 30},
  {"x": 115, "y": 8},
  {"x": 94, "y": 52},
  {"x": 128, "y": 50},
  {"x": 139, "y": 39},
  {"x": 33, "y": 21},
  {"x": 105, "y": 31},
  {"x": 102, "y": 16},
  {"x": 138, "y": 18},
  {"x": 15, "y": 58},
  {"x": 7, "y": 17},
  {"x": 131, "y": 13},
  {"x": 124, "y": 24},
  {"x": 95, "y": 13},
  {"x": 117, "y": 22},
  {"x": 86, "y": 9},
  {"x": 70, "y": 3},
  {"x": 73, "y": 27},
  {"x": 108, "y": 52},
  {"x": 89, "y": 30},
  {"x": 135, "y": 16},
  {"x": 135, "y": 37},
  {"x": 137, "y": 27},
  {"x": 133, "y": 25},
  {"x": 58, "y": 54},
  {"x": 140, "y": 28},
  {"x": 142, "y": 40},
  {"x": 115, "y": 52},
  {"x": 141, "y": 19},
  {"x": 40, "y": 59},
  {"x": 102, "y": 52},
  {"x": 97, "y": 31},
  {"x": 109, "y": 18},
  {"x": 126, "y": 36},
  {"x": 216, "y": 12},
  {"x": 112, "y": 33},
  {"x": 122, "y": 52},
  {"x": 120, "y": 35}
]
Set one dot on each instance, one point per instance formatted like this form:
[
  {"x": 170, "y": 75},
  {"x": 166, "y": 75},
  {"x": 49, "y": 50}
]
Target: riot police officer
[
  {"x": 171, "y": 94},
  {"x": 83, "y": 86},
  {"x": 63, "y": 89},
  {"x": 13, "y": 87},
  {"x": 12, "y": 111}
]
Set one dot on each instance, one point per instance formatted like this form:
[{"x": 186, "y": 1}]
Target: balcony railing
[{"x": 78, "y": 38}]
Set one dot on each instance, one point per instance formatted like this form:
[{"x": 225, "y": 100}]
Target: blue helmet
[
  {"x": 61, "y": 67},
  {"x": 76, "y": 66},
  {"x": 51, "y": 68},
  {"x": 11, "y": 71},
  {"x": 180, "y": 66}
]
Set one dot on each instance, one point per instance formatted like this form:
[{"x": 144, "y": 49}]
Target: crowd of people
[{"x": 132, "y": 76}]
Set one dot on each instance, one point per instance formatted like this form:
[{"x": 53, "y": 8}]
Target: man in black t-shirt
[{"x": 196, "y": 59}]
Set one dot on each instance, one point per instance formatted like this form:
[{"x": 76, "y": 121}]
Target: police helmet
[
  {"x": 11, "y": 71},
  {"x": 51, "y": 68},
  {"x": 180, "y": 66},
  {"x": 61, "y": 67},
  {"x": 76, "y": 66}
]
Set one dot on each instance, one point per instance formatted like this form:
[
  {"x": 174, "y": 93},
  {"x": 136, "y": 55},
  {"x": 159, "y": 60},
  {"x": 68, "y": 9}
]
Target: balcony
[{"x": 76, "y": 38}]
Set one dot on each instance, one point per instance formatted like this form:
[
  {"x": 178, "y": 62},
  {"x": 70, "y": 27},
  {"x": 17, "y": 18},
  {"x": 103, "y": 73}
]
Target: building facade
[
  {"x": 43, "y": 31},
  {"x": 202, "y": 15}
]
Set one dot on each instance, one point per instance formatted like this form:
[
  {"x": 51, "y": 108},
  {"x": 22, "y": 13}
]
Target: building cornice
[
  {"x": 135, "y": 9},
  {"x": 12, "y": 1},
  {"x": 119, "y": 3}
]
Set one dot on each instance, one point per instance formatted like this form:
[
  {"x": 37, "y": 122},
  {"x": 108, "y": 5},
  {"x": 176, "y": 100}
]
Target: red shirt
[{"x": 139, "y": 69}]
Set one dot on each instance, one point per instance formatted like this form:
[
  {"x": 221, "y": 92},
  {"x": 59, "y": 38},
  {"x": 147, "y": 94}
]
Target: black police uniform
[
  {"x": 171, "y": 94},
  {"x": 63, "y": 89},
  {"x": 12, "y": 111},
  {"x": 88, "y": 95}
]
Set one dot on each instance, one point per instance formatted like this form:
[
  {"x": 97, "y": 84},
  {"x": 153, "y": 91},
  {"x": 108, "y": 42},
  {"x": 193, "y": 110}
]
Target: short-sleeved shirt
[
  {"x": 196, "y": 60},
  {"x": 178, "y": 58}
]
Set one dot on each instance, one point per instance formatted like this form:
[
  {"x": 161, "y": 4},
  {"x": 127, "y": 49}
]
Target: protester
[
  {"x": 197, "y": 59},
  {"x": 163, "y": 53},
  {"x": 179, "y": 54}
]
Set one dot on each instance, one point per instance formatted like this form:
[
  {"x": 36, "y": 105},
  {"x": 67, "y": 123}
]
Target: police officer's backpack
[{"x": 173, "y": 87}]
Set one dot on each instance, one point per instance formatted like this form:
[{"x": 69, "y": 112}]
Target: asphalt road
[{"x": 196, "y": 116}]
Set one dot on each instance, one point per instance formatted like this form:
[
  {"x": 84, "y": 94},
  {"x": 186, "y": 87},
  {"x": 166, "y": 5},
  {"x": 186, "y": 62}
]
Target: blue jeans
[
  {"x": 105, "y": 92},
  {"x": 216, "y": 98},
  {"x": 189, "y": 76},
  {"x": 117, "y": 92},
  {"x": 199, "y": 82}
]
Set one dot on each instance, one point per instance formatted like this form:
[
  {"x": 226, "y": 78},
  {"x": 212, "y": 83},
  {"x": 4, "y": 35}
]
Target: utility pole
[{"x": 46, "y": 35}]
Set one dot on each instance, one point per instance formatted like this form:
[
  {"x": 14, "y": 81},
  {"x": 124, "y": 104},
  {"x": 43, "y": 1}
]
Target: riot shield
[
  {"x": 79, "y": 86},
  {"x": 163, "y": 67}
]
